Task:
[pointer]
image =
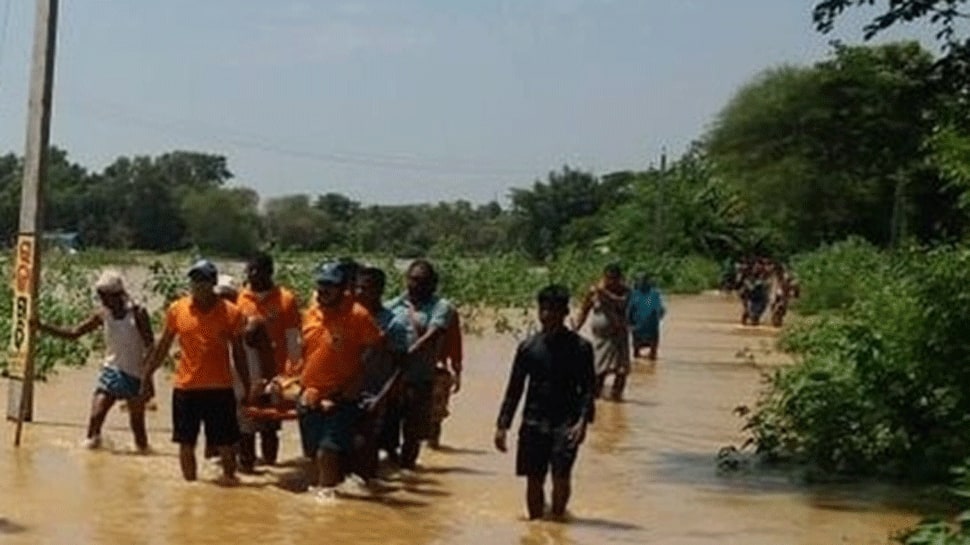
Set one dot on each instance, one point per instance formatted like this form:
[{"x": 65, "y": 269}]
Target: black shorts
[
  {"x": 540, "y": 450},
  {"x": 214, "y": 408}
]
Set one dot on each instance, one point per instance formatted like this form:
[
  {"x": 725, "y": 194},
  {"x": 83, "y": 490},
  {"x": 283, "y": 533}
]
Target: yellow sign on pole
[{"x": 23, "y": 291}]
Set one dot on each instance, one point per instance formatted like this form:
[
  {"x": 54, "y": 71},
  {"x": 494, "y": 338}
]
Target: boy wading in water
[
  {"x": 558, "y": 364},
  {"x": 206, "y": 327},
  {"x": 127, "y": 338}
]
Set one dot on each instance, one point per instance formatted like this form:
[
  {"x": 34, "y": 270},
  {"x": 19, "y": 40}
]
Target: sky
[{"x": 400, "y": 101}]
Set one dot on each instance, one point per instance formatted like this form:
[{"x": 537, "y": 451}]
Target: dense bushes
[
  {"x": 883, "y": 384},
  {"x": 834, "y": 276}
]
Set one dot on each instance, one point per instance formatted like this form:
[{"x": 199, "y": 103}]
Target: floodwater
[{"x": 647, "y": 473}]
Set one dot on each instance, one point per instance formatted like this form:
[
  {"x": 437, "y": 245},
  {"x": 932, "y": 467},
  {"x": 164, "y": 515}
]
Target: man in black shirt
[{"x": 558, "y": 405}]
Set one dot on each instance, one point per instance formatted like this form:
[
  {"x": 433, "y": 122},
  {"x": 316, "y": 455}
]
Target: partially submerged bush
[{"x": 884, "y": 385}]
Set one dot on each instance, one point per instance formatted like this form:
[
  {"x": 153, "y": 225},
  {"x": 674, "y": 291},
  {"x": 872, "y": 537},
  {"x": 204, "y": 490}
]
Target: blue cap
[
  {"x": 330, "y": 273},
  {"x": 204, "y": 270}
]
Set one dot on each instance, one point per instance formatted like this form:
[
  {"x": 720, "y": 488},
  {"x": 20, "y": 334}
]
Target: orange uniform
[
  {"x": 334, "y": 340},
  {"x": 204, "y": 339},
  {"x": 278, "y": 311}
]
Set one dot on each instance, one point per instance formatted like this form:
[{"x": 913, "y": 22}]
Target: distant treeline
[{"x": 864, "y": 143}]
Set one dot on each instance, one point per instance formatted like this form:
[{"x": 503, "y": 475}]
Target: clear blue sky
[{"x": 394, "y": 101}]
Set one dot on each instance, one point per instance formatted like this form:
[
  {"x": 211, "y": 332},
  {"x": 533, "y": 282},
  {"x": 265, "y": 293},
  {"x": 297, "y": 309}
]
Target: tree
[
  {"x": 294, "y": 224},
  {"x": 236, "y": 230},
  {"x": 952, "y": 69},
  {"x": 541, "y": 214},
  {"x": 149, "y": 206},
  {"x": 10, "y": 174},
  {"x": 839, "y": 148},
  {"x": 701, "y": 214},
  {"x": 146, "y": 195},
  {"x": 193, "y": 170}
]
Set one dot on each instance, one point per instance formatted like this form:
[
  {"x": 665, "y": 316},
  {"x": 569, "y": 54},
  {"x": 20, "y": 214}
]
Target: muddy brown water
[{"x": 647, "y": 473}]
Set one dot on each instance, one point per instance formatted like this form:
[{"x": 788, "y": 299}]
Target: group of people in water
[
  {"x": 359, "y": 374},
  {"x": 762, "y": 285}
]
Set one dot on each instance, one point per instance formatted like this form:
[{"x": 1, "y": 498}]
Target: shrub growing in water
[{"x": 884, "y": 385}]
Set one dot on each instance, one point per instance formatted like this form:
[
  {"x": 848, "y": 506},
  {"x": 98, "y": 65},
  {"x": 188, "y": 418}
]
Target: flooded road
[{"x": 647, "y": 473}]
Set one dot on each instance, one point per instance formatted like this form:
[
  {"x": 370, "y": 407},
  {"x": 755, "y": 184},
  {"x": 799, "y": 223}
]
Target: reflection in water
[{"x": 647, "y": 473}]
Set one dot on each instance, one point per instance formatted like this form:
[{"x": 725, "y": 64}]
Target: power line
[{"x": 106, "y": 111}]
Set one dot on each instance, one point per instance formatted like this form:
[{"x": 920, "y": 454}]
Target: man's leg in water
[
  {"x": 390, "y": 434},
  {"x": 535, "y": 498},
  {"x": 619, "y": 384},
  {"x": 434, "y": 436},
  {"x": 328, "y": 468},
  {"x": 600, "y": 383},
  {"x": 561, "y": 489},
  {"x": 187, "y": 461},
  {"x": 136, "y": 418},
  {"x": 417, "y": 421},
  {"x": 269, "y": 445},
  {"x": 227, "y": 455},
  {"x": 247, "y": 452},
  {"x": 100, "y": 405}
]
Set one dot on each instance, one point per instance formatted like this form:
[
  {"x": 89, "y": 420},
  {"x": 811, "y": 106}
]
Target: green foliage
[
  {"x": 223, "y": 221},
  {"x": 938, "y": 530},
  {"x": 945, "y": 13},
  {"x": 685, "y": 210},
  {"x": 840, "y": 148},
  {"x": 836, "y": 275},
  {"x": 881, "y": 385},
  {"x": 951, "y": 71},
  {"x": 562, "y": 210},
  {"x": 949, "y": 149},
  {"x": 65, "y": 298},
  {"x": 166, "y": 282}
]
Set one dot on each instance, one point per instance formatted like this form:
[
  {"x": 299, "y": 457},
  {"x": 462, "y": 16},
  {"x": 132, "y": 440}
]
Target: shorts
[
  {"x": 540, "y": 450},
  {"x": 332, "y": 431},
  {"x": 216, "y": 408},
  {"x": 117, "y": 383}
]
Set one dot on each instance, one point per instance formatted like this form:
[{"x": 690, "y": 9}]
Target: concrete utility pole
[{"x": 27, "y": 251}]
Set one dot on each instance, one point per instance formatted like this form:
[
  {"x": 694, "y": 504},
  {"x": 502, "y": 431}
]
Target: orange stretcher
[
  {"x": 270, "y": 412},
  {"x": 283, "y": 391}
]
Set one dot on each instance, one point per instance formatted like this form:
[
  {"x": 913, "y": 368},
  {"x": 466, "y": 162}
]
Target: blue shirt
[
  {"x": 379, "y": 362},
  {"x": 416, "y": 320},
  {"x": 644, "y": 312}
]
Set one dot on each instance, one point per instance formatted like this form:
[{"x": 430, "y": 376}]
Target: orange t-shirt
[
  {"x": 334, "y": 340},
  {"x": 278, "y": 309},
  {"x": 204, "y": 339}
]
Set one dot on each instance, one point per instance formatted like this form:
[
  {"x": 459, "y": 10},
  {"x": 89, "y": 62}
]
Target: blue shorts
[
  {"x": 118, "y": 384},
  {"x": 332, "y": 431}
]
